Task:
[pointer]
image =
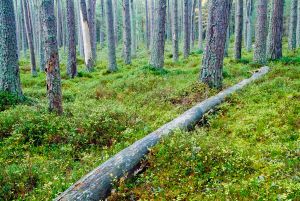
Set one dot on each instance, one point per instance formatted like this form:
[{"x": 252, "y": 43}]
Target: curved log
[{"x": 97, "y": 184}]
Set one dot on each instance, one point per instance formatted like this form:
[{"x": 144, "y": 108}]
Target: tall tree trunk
[
  {"x": 92, "y": 26},
  {"x": 168, "y": 24},
  {"x": 186, "y": 29},
  {"x": 28, "y": 25},
  {"x": 133, "y": 29},
  {"x": 227, "y": 41},
  {"x": 42, "y": 44},
  {"x": 147, "y": 24},
  {"x": 274, "y": 50},
  {"x": 102, "y": 24},
  {"x": 87, "y": 45},
  {"x": 9, "y": 67},
  {"x": 59, "y": 23},
  {"x": 200, "y": 26},
  {"x": 152, "y": 17},
  {"x": 23, "y": 31},
  {"x": 111, "y": 38},
  {"x": 298, "y": 26},
  {"x": 192, "y": 34},
  {"x": 175, "y": 31},
  {"x": 212, "y": 65},
  {"x": 126, "y": 32},
  {"x": 249, "y": 11},
  {"x": 72, "y": 63},
  {"x": 292, "y": 25},
  {"x": 116, "y": 26},
  {"x": 238, "y": 29},
  {"x": 158, "y": 46},
  {"x": 52, "y": 57},
  {"x": 261, "y": 32}
]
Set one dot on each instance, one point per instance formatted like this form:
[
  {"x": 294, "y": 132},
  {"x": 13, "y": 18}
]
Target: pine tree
[
  {"x": 212, "y": 64},
  {"x": 238, "y": 29},
  {"x": 126, "y": 32},
  {"x": 261, "y": 32},
  {"x": 52, "y": 57},
  {"x": 9, "y": 67}
]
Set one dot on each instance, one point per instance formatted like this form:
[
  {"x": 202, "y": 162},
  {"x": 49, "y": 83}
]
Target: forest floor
[{"x": 42, "y": 154}]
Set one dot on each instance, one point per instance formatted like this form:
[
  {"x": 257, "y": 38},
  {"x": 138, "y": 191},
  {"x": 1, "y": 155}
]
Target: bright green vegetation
[
  {"x": 248, "y": 149},
  {"x": 42, "y": 154}
]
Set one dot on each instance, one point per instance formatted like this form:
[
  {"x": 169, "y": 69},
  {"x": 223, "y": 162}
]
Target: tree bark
[
  {"x": 249, "y": 11},
  {"x": 111, "y": 38},
  {"x": 218, "y": 20},
  {"x": 102, "y": 24},
  {"x": 261, "y": 32},
  {"x": 238, "y": 29},
  {"x": 200, "y": 26},
  {"x": 9, "y": 67},
  {"x": 186, "y": 29},
  {"x": 274, "y": 50},
  {"x": 28, "y": 26},
  {"x": 116, "y": 26},
  {"x": 158, "y": 46},
  {"x": 147, "y": 24},
  {"x": 298, "y": 26},
  {"x": 72, "y": 63},
  {"x": 192, "y": 34},
  {"x": 87, "y": 44},
  {"x": 126, "y": 32},
  {"x": 133, "y": 29},
  {"x": 292, "y": 25},
  {"x": 52, "y": 57},
  {"x": 59, "y": 23},
  {"x": 175, "y": 31},
  {"x": 92, "y": 26}
]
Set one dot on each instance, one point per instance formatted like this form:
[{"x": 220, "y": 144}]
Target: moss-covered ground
[{"x": 249, "y": 148}]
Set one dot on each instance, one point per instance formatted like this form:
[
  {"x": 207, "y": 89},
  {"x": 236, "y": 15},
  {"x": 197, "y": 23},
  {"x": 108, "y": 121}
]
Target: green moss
[
  {"x": 42, "y": 154},
  {"x": 248, "y": 149}
]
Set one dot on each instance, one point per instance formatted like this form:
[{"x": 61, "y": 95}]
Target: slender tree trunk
[
  {"x": 298, "y": 26},
  {"x": 218, "y": 20},
  {"x": 249, "y": 11},
  {"x": 116, "y": 26},
  {"x": 59, "y": 23},
  {"x": 186, "y": 29},
  {"x": 152, "y": 17},
  {"x": 111, "y": 38},
  {"x": 72, "y": 63},
  {"x": 158, "y": 46},
  {"x": 24, "y": 37},
  {"x": 200, "y": 26},
  {"x": 102, "y": 24},
  {"x": 274, "y": 50},
  {"x": 28, "y": 25},
  {"x": 238, "y": 29},
  {"x": 227, "y": 41},
  {"x": 292, "y": 25},
  {"x": 42, "y": 44},
  {"x": 175, "y": 31},
  {"x": 192, "y": 34},
  {"x": 133, "y": 29},
  {"x": 87, "y": 45},
  {"x": 9, "y": 67},
  {"x": 261, "y": 32},
  {"x": 168, "y": 24},
  {"x": 126, "y": 32},
  {"x": 92, "y": 26},
  {"x": 52, "y": 57},
  {"x": 147, "y": 24}
]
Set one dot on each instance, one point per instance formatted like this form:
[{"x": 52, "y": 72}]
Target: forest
[{"x": 149, "y": 100}]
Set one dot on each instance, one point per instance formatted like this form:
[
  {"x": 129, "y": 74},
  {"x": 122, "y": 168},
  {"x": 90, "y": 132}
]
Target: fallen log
[{"x": 97, "y": 184}]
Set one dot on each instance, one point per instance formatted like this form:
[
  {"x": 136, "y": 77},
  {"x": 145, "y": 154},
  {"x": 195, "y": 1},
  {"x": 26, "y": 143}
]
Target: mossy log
[{"x": 97, "y": 184}]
